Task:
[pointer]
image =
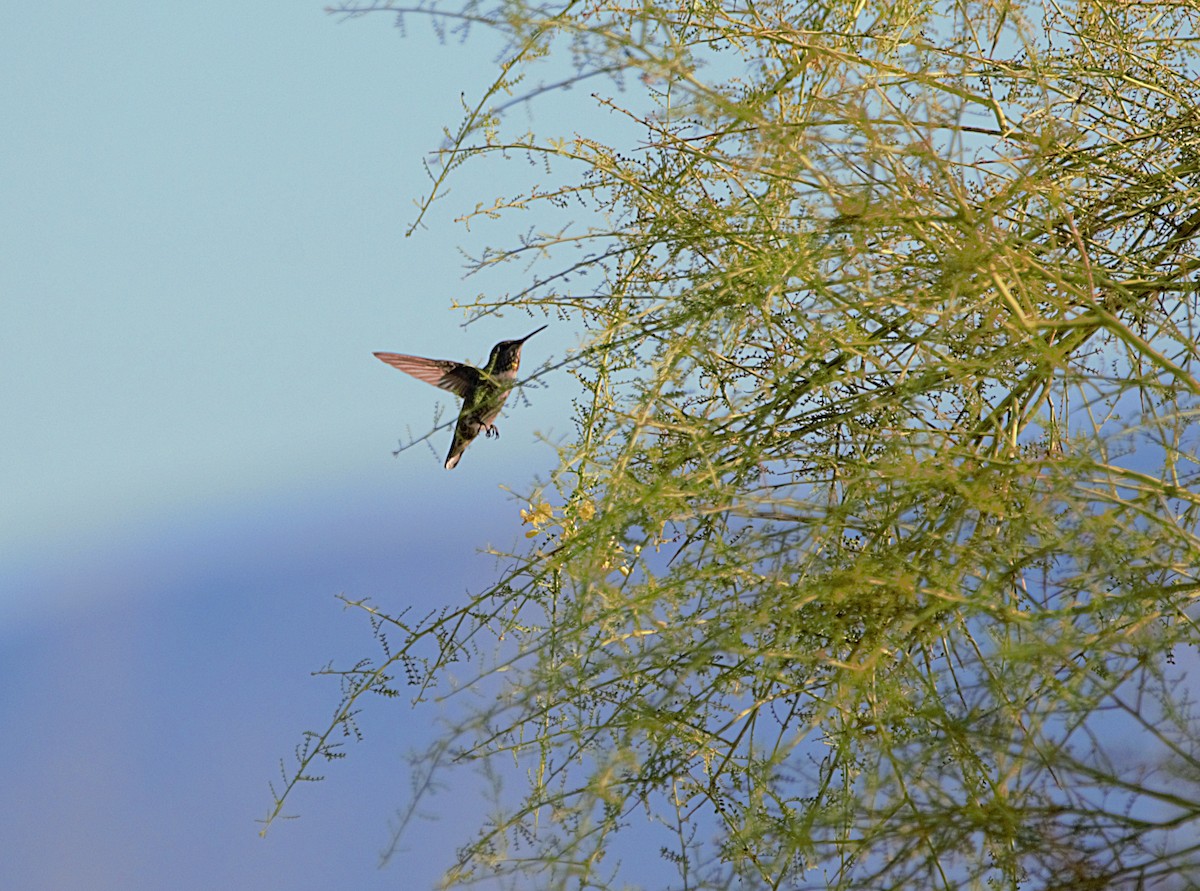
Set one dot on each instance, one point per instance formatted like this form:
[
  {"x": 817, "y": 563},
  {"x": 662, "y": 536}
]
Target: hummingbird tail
[{"x": 457, "y": 447}]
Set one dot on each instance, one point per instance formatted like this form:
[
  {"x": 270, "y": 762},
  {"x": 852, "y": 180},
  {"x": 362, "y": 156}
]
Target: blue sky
[{"x": 202, "y": 216}]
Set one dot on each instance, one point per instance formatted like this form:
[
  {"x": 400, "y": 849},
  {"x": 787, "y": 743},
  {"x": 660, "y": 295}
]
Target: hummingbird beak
[{"x": 531, "y": 333}]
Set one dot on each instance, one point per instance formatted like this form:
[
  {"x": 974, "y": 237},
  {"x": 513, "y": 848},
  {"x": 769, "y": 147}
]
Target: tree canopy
[{"x": 872, "y": 560}]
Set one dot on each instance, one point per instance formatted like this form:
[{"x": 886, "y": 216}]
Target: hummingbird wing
[{"x": 456, "y": 377}]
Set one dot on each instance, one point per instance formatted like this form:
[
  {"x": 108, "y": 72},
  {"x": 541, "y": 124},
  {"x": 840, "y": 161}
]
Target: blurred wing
[{"x": 453, "y": 376}]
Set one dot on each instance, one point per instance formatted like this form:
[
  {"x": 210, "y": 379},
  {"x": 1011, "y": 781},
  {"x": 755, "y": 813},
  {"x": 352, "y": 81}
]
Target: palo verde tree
[{"x": 872, "y": 560}]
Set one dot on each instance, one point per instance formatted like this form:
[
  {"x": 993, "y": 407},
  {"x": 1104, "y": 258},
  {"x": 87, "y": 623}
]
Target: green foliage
[{"x": 872, "y": 557}]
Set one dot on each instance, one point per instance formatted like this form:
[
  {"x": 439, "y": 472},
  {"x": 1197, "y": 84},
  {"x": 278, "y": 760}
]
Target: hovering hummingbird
[{"x": 483, "y": 390}]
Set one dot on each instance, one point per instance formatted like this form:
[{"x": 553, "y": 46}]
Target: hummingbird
[{"x": 483, "y": 390}]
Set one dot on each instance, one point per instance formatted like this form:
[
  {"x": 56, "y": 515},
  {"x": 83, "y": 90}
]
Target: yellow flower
[{"x": 537, "y": 516}]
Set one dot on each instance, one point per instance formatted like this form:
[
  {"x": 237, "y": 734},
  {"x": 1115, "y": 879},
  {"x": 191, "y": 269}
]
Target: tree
[{"x": 873, "y": 555}]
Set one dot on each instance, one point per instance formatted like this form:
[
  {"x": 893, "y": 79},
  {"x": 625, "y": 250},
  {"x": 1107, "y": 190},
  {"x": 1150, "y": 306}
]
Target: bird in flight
[{"x": 482, "y": 390}]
